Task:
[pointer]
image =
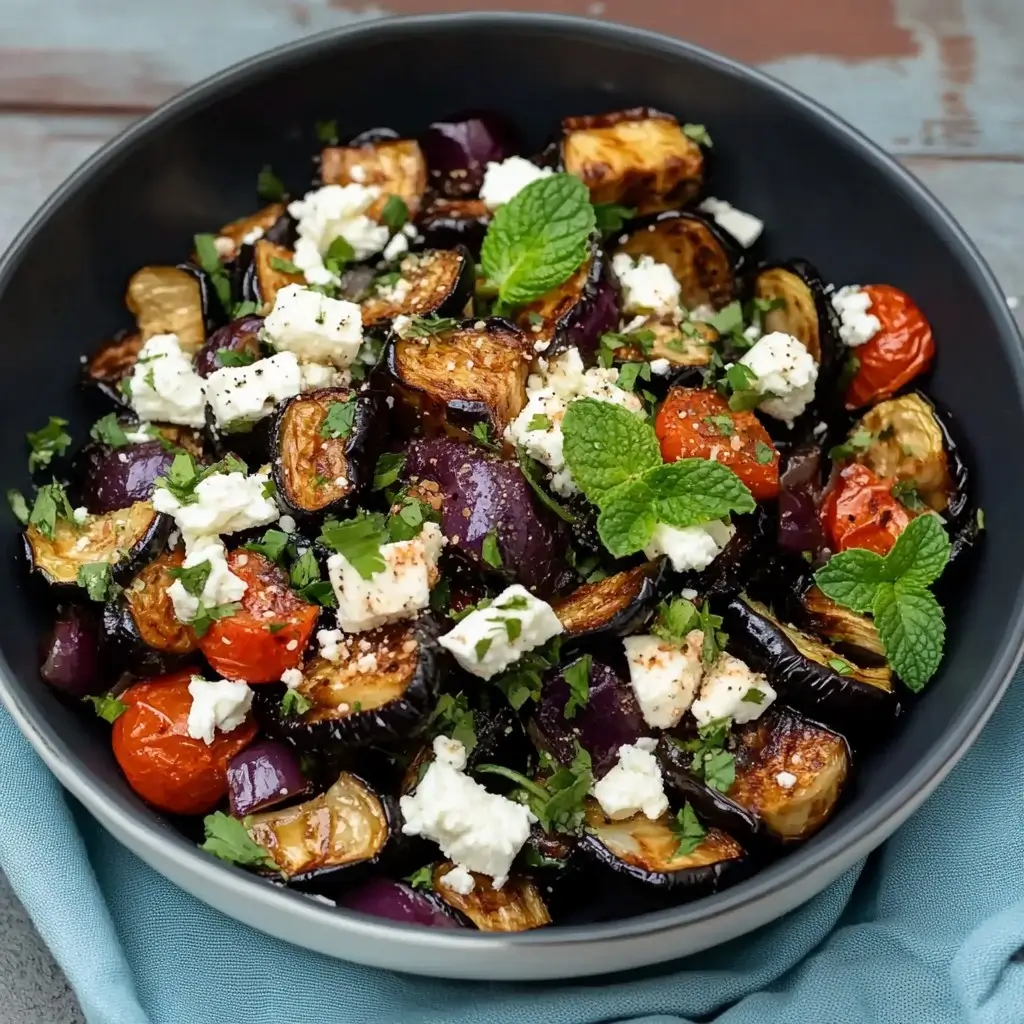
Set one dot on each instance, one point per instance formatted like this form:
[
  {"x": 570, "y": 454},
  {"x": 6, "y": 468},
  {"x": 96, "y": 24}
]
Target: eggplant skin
[
  {"x": 437, "y": 282},
  {"x": 381, "y": 689},
  {"x": 516, "y": 907},
  {"x": 141, "y": 631},
  {"x": 114, "y": 478},
  {"x": 307, "y": 466},
  {"x": 852, "y": 635},
  {"x": 448, "y": 223},
  {"x": 241, "y": 335},
  {"x": 615, "y": 606},
  {"x": 113, "y": 361},
  {"x": 858, "y": 709},
  {"x": 264, "y": 219},
  {"x": 126, "y": 539}
]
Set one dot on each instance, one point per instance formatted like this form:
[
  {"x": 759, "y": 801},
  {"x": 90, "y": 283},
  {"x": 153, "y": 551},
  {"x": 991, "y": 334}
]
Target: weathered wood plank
[{"x": 921, "y": 76}]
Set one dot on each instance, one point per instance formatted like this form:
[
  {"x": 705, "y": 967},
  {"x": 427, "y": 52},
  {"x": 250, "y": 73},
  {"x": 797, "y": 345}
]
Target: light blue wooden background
[{"x": 938, "y": 82}]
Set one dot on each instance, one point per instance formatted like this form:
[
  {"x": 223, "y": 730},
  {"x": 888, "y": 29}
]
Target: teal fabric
[{"x": 927, "y": 931}]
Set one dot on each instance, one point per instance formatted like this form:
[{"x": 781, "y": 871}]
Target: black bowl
[{"x": 825, "y": 193}]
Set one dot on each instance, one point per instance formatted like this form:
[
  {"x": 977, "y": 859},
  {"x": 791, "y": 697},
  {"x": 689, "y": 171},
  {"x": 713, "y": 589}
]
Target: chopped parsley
[
  {"x": 283, "y": 265},
  {"x": 107, "y": 430},
  {"x": 698, "y": 133},
  {"x": 688, "y": 830},
  {"x": 539, "y": 422},
  {"x": 193, "y": 578},
  {"x": 711, "y": 761},
  {"x": 429, "y": 326},
  {"x": 630, "y": 373},
  {"x": 422, "y": 878},
  {"x": 764, "y": 453},
  {"x": 339, "y": 421},
  {"x": 722, "y": 424},
  {"x": 269, "y": 186},
  {"x": 234, "y": 357},
  {"x": 18, "y": 505},
  {"x": 274, "y": 545},
  {"x": 208, "y": 615},
  {"x": 294, "y": 704},
  {"x": 47, "y": 442},
  {"x": 94, "y": 578},
  {"x": 358, "y": 540},
  {"x": 905, "y": 492},
  {"x": 577, "y": 678},
  {"x": 522, "y": 681},
  {"x": 106, "y": 706},
  {"x": 209, "y": 259},
  {"x": 326, "y": 132},
  {"x": 844, "y": 668},
  {"x": 490, "y": 552},
  {"x": 229, "y": 839},
  {"x": 856, "y": 444},
  {"x": 395, "y": 214},
  {"x": 482, "y": 433},
  {"x": 51, "y": 504},
  {"x": 453, "y": 717},
  {"x": 389, "y": 469}
]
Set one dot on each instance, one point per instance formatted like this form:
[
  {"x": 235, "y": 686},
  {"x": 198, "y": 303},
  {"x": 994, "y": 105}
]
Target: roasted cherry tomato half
[
  {"x": 860, "y": 512},
  {"x": 162, "y": 763},
  {"x": 696, "y": 423},
  {"x": 902, "y": 348},
  {"x": 269, "y": 633}
]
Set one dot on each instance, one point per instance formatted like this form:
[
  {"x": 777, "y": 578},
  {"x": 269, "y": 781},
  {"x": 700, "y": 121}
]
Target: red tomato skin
[
  {"x": 859, "y": 511},
  {"x": 163, "y": 764},
  {"x": 903, "y": 348}
]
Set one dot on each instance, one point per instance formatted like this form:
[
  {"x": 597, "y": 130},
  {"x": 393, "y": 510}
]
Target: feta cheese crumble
[
  {"x": 724, "y": 692},
  {"x": 744, "y": 227},
  {"x": 786, "y": 371},
  {"x": 335, "y": 211},
  {"x": 459, "y": 880},
  {"x": 315, "y": 327},
  {"x": 164, "y": 385},
  {"x": 664, "y": 676},
  {"x": 398, "y": 591},
  {"x": 216, "y": 704},
  {"x": 80, "y": 514},
  {"x": 315, "y": 376},
  {"x": 633, "y": 785},
  {"x": 240, "y": 395},
  {"x": 647, "y": 286},
  {"x": 329, "y": 641},
  {"x": 691, "y": 548},
  {"x": 548, "y": 395},
  {"x": 225, "y": 503},
  {"x": 292, "y": 678},
  {"x": 505, "y": 180},
  {"x": 222, "y": 586},
  {"x": 857, "y": 325},
  {"x": 478, "y": 830},
  {"x": 481, "y": 642},
  {"x": 787, "y": 780}
]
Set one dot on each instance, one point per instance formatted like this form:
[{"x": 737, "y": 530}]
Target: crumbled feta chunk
[
  {"x": 664, "y": 676},
  {"x": 222, "y": 586},
  {"x": 659, "y": 367},
  {"x": 315, "y": 376},
  {"x": 240, "y": 395},
  {"x": 787, "y": 780},
  {"x": 548, "y": 395},
  {"x": 398, "y": 246},
  {"x": 164, "y": 385},
  {"x": 633, "y": 785},
  {"x": 482, "y": 644},
  {"x": 317, "y": 328},
  {"x": 505, "y": 180},
  {"x": 731, "y": 689},
  {"x": 292, "y": 678},
  {"x": 693, "y": 547},
  {"x": 330, "y": 641},
  {"x": 450, "y": 751},
  {"x": 335, "y": 211},
  {"x": 225, "y": 247},
  {"x": 287, "y": 524},
  {"x": 857, "y": 325},
  {"x": 398, "y": 591},
  {"x": 786, "y": 371},
  {"x": 744, "y": 227},
  {"x": 478, "y": 830},
  {"x": 225, "y": 503},
  {"x": 216, "y": 704},
  {"x": 459, "y": 880},
  {"x": 253, "y": 235},
  {"x": 80, "y": 514},
  {"x": 647, "y": 286}
]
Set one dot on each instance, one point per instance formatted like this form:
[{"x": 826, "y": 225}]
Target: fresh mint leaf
[
  {"x": 538, "y": 239},
  {"x": 106, "y": 706},
  {"x": 46, "y": 442},
  {"x": 610, "y": 217},
  {"x": 852, "y": 577},
  {"x": 577, "y": 678},
  {"x": 912, "y": 629},
  {"x": 269, "y": 186},
  {"x": 107, "y": 430},
  {"x": 627, "y": 518},
  {"x": 606, "y": 445},
  {"x": 920, "y": 553},
  {"x": 358, "y": 540},
  {"x": 229, "y": 839},
  {"x": 688, "y": 830},
  {"x": 395, "y": 214},
  {"x": 388, "y": 470},
  {"x": 694, "y": 491},
  {"x": 339, "y": 421},
  {"x": 94, "y": 579}
]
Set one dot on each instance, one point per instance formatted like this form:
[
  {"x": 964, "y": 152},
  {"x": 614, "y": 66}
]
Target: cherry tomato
[
  {"x": 269, "y": 633},
  {"x": 902, "y": 348},
  {"x": 693, "y": 423},
  {"x": 162, "y": 763},
  {"x": 860, "y": 512}
]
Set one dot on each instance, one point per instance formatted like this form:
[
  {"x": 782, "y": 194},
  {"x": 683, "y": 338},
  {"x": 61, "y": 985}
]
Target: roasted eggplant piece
[
  {"x": 459, "y": 148},
  {"x": 851, "y": 635},
  {"x": 801, "y": 480},
  {"x": 396, "y": 166},
  {"x": 516, "y": 907},
  {"x": 805, "y": 311},
  {"x": 437, "y": 281},
  {"x": 396, "y": 901},
  {"x": 72, "y": 659},
  {"x": 644, "y": 855},
  {"x": 610, "y": 719},
  {"x": 381, "y": 688},
  {"x": 639, "y": 157},
  {"x": 466, "y": 372},
  {"x": 615, "y": 606},
  {"x": 169, "y": 300},
  {"x": 684, "y": 344},
  {"x": 447, "y": 223},
  {"x": 317, "y": 467},
  {"x": 263, "y": 775},
  {"x": 111, "y": 363},
  {"x": 321, "y": 843},
  {"x": 703, "y": 259},
  {"x": 125, "y": 539},
  {"x": 114, "y": 478},
  {"x": 141, "y": 630},
  {"x": 264, "y": 278},
  {"x": 576, "y": 313},
  {"x": 790, "y": 773},
  {"x": 809, "y": 675},
  {"x": 241, "y": 336},
  {"x": 237, "y": 231}
]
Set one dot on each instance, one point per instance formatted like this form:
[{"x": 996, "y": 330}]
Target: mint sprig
[
  {"x": 894, "y": 589},
  {"x": 538, "y": 239}
]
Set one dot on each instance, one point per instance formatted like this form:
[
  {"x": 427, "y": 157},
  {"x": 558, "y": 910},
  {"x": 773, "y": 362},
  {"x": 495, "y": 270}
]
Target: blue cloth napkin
[{"x": 928, "y": 930}]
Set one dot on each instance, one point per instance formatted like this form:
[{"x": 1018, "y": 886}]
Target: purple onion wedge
[
  {"x": 114, "y": 478},
  {"x": 241, "y": 336},
  {"x": 799, "y": 527},
  {"x": 264, "y": 774},
  {"x": 396, "y": 901},
  {"x": 71, "y": 661},
  {"x": 483, "y": 495},
  {"x": 459, "y": 148}
]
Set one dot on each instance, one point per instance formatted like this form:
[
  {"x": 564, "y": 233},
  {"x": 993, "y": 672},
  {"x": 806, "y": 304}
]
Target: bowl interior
[{"x": 823, "y": 194}]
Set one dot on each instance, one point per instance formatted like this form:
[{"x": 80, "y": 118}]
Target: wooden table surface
[{"x": 937, "y": 82}]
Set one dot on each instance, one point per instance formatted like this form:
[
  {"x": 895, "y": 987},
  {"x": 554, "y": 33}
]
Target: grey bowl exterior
[{"x": 825, "y": 192}]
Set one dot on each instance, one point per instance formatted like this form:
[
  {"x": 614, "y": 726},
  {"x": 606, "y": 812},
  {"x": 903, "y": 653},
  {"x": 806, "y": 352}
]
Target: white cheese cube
[
  {"x": 164, "y": 386},
  {"x": 692, "y": 547},
  {"x": 664, "y": 677},
  {"x": 481, "y": 641},
  {"x": 744, "y": 227},
  {"x": 647, "y": 286},
  {"x": 222, "y": 585},
  {"x": 633, "y": 785},
  {"x": 317, "y": 328},
  {"x": 216, "y": 704},
  {"x": 505, "y": 180},
  {"x": 731, "y": 689},
  {"x": 240, "y": 395},
  {"x": 857, "y": 325},
  {"x": 398, "y": 591},
  {"x": 225, "y": 503},
  {"x": 786, "y": 371}
]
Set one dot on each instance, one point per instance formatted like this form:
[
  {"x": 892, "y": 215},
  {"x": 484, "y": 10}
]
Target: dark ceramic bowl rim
[{"x": 783, "y": 885}]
